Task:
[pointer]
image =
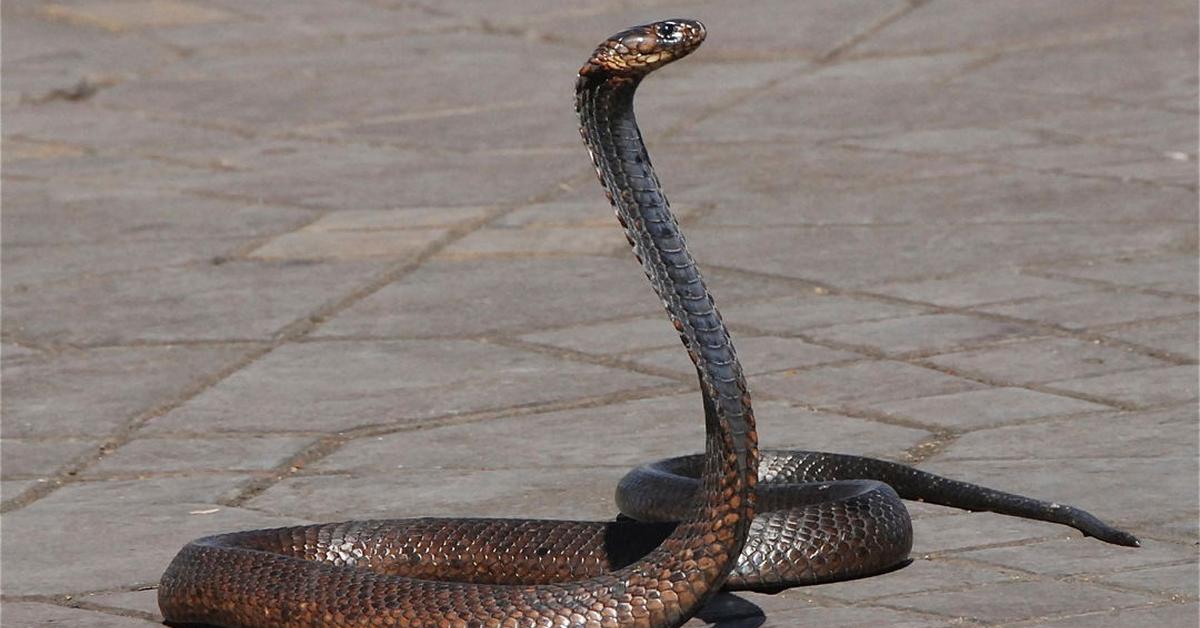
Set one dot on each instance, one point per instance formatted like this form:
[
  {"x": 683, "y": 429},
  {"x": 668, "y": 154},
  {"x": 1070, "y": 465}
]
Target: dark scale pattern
[{"x": 823, "y": 516}]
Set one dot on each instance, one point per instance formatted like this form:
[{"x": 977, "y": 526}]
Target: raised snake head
[{"x": 642, "y": 49}]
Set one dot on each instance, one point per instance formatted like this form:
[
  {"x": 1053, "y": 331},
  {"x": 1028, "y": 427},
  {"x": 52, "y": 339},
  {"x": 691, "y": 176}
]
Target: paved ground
[{"x": 279, "y": 262}]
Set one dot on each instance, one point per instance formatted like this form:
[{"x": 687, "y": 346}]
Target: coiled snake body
[{"x": 691, "y": 524}]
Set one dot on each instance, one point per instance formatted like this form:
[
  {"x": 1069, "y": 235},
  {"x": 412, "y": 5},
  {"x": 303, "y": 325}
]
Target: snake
[{"x": 733, "y": 517}]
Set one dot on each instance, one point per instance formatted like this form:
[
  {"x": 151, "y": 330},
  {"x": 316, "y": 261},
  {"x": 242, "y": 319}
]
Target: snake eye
[{"x": 669, "y": 31}]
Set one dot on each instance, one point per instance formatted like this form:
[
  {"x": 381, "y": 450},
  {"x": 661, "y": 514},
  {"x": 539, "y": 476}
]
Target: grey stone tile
[
  {"x": 240, "y": 453},
  {"x": 1178, "y": 274},
  {"x": 857, "y": 255},
  {"x": 104, "y": 130},
  {"x": 1173, "y": 384},
  {"x": 236, "y": 300},
  {"x": 579, "y": 494},
  {"x": 800, "y": 313},
  {"x": 1139, "y": 67},
  {"x": 1179, "y": 337},
  {"x": 28, "y": 267},
  {"x": 145, "y": 601},
  {"x": 1023, "y": 22},
  {"x": 863, "y": 97},
  {"x": 758, "y": 354},
  {"x": 1182, "y": 615},
  {"x": 976, "y": 409},
  {"x": 26, "y": 458},
  {"x": 1091, "y": 309},
  {"x": 1145, "y": 128},
  {"x": 355, "y": 176},
  {"x": 536, "y": 242},
  {"x": 989, "y": 198},
  {"x": 42, "y": 56},
  {"x": 335, "y": 386},
  {"x": 1076, "y": 557},
  {"x": 352, "y": 80},
  {"x": 43, "y": 213},
  {"x": 13, "y": 352},
  {"x": 847, "y": 617},
  {"x": 310, "y": 245},
  {"x": 1177, "y": 580},
  {"x": 948, "y": 141},
  {"x": 922, "y": 334},
  {"x": 37, "y": 614},
  {"x": 1167, "y": 168},
  {"x": 1044, "y": 359},
  {"x": 621, "y": 435},
  {"x": 303, "y": 24},
  {"x": 1114, "y": 489},
  {"x": 506, "y": 296},
  {"x": 90, "y": 393},
  {"x": 965, "y": 531},
  {"x": 143, "y": 523},
  {"x": 11, "y": 488},
  {"x": 1133, "y": 434},
  {"x": 924, "y": 574},
  {"x": 1012, "y": 601},
  {"x": 977, "y": 288},
  {"x": 734, "y": 33},
  {"x": 861, "y": 383},
  {"x": 612, "y": 337}
]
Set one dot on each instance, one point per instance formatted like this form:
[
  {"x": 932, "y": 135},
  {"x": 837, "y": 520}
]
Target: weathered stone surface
[
  {"x": 576, "y": 493},
  {"x": 143, "y": 523},
  {"x": 239, "y": 453},
  {"x": 976, "y": 288},
  {"x": 348, "y": 245},
  {"x": 1178, "y": 336},
  {"x": 1080, "y": 556},
  {"x": 1169, "y": 614},
  {"x": 854, "y": 255},
  {"x": 801, "y": 312},
  {"x": 1180, "y": 581},
  {"x": 620, "y": 435},
  {"x": 975, "y": 409},
  {"x": 1113, "y": 489},
  {"x": 922, "y": 334},
  {"x": 37, "y": 614},
  {"x": 1176, "y": 273},
  {"x": 1132, "y": 434},
  {"x": 235, "y": 300},
  {"x": 924, "y": 574},
  {"x": 965, "y": 531},
  {"x": 1091, "y": 309},
  {"x": 999, "y": 602},
  {"x": 514, "y": 296},
  {"x": 90, "y": 393},
  {"x": 27, "y": 458},
  {"x": 1149, "y": 387},
  {"x": 861, "y": 383},
  {"x": 338, "y": 385},
  {"x": 1044, "y": 359},
  {"x": 758, "y": 354}
]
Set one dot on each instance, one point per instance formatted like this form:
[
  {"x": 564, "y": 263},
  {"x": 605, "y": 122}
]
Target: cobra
[{"x": 690, "y": 522}]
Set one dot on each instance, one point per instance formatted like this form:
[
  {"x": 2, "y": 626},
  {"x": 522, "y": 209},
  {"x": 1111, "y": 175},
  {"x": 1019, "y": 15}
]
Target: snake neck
[{"x": 605, "y": 107}]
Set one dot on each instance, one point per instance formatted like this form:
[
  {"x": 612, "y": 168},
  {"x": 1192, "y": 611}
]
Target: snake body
[{"x": 820, "y": 517}]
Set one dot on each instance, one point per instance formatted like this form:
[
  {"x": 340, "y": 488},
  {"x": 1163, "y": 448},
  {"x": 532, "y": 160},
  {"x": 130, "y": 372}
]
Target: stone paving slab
[{"x": 270, "y": 263}]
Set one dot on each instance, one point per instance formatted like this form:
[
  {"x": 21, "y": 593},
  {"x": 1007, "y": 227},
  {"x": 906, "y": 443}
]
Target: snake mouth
[{"x": 643, "y": 49}]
